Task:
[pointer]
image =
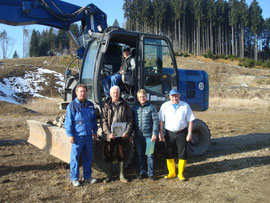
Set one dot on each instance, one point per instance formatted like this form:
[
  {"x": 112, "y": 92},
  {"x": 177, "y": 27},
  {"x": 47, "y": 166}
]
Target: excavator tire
[{"x": 200, "y": 139}]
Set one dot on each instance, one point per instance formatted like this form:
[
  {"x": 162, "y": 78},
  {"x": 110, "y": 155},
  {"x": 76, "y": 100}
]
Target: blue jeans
[
  {"x": 83, "y": 146},
  {"x": 110, "y": 81},
  {"x": 140, "y": 143}
]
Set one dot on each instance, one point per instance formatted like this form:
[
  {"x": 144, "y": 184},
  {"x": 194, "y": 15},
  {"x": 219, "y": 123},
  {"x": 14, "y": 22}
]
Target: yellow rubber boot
[
  {"x": 181, "y": 167},
  {"x": 171, "y": 169}
]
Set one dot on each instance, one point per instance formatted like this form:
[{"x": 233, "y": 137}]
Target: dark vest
[{"x": 126, "y": 64}]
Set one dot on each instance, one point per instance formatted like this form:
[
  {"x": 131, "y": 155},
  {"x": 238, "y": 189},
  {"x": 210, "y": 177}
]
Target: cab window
[
  {"x": 88, "y": 68},
  {"x": 158, "y": 67}
]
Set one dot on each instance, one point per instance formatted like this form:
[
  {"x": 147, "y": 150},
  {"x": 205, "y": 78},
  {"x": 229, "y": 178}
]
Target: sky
[{"x": 113, "y": 9}]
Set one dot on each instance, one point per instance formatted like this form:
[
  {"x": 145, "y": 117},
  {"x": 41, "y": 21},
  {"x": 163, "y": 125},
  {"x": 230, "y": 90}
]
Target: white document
[{"x": 118, "y": 129}]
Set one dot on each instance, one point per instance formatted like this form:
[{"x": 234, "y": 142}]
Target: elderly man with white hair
[{"x": 115, "y": 110}]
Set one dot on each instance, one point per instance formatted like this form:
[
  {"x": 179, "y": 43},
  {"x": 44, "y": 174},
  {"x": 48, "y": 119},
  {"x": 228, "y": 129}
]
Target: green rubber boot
[
  {"x": 122, "y": 175},
  {"x": 108, "y": 173}
]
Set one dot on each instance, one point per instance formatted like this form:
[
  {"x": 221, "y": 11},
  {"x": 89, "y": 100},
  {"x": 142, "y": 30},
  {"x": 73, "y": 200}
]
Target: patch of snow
[
  {"x": 244, "y": 85},
  {"x": 7, "y": 94},
  {"x": 30, "y": 83}
]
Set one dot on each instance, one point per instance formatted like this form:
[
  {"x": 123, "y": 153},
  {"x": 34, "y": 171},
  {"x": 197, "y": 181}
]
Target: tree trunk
[
  {"x": 198, "y": 37},
  {"x": 242, "y": 52},
  {"x": 156, "y": 26},
  {"x": 233, "y": 47},
  {"x": 223, "y": 40},
  {"x": 211, "y": 37},
  {"x": 179, "y": 36},
  {"x": 256, "y": 47},
  {"x": 219, "y": 40},
  {"x": 175, "y": 31},
  {"x": 194, "y": 39},
  {"x": 207, "y": 38},
  {"x": 236, "y": 42},
  {"x": 184, "y": 35},
  {"x": 226, "y": 40}
]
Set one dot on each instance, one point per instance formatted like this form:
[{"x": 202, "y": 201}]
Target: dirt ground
[{"x": 236, "y": 167}]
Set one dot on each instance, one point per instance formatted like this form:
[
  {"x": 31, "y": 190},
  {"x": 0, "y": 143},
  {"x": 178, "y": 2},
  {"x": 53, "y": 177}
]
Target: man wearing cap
[
  {"x": 176, "y": 117},
  {"x": 128, "y": 64}
]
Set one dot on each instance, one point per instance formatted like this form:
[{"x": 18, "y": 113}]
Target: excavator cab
[{"x": 155, "y": 71}]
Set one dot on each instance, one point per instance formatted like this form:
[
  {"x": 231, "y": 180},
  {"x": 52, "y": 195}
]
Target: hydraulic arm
[{"x": 54, "y": 13}]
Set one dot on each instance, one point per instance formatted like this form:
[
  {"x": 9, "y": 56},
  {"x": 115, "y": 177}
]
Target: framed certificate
[{"x": 118, "y": 129}]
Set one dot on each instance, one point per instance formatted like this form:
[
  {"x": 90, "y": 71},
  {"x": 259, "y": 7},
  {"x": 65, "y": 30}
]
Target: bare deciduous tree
[{"x": 6, "y": 44}]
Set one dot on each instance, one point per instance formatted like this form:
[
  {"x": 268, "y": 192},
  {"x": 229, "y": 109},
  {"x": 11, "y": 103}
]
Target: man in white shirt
[{"x": 176, "y": 117}]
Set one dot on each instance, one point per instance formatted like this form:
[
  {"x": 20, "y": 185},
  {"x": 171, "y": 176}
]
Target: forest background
[{"x": 213, "y": 28}]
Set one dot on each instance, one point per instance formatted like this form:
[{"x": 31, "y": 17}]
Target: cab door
[{"x": 159, "y": 71}]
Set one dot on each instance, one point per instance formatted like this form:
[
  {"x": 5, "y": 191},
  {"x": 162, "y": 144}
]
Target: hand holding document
[
  {"x": 150, "y": 146},
  {"x": 118, "y": 129}
]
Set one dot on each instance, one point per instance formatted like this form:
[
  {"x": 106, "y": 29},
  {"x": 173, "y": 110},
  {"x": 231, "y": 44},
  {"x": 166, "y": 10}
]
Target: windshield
[
  {"x": 88, "y": 68},
  {"x": 158, "y": 67}
]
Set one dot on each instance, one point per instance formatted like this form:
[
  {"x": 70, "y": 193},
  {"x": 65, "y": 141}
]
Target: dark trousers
[
  {"x": 114, "y": 150},
  {"x": 175, "y": 143}
]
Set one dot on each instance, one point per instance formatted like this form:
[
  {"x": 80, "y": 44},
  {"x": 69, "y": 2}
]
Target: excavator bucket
[
  {"x": 50, "y": 139},
  {"x": 53, "y": 140}
]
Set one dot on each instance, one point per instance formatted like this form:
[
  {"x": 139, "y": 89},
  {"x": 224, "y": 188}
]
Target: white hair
[{"x": 115, "y": 87}]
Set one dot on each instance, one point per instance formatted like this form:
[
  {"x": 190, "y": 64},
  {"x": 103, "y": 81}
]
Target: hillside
[
  {"x": 43, "y": 77},
  {"x": 235, "y": 168}
]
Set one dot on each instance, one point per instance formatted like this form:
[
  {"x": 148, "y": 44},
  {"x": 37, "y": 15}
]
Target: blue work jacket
[
  {"x": 81, "y": 119},
  {"x": 145, "y": 118}
]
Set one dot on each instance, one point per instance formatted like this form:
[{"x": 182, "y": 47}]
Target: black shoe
[
  {"x": 152, "y": 178},
  {"x": 141, "y": 176},
  {"x": 107, "y": 180}
]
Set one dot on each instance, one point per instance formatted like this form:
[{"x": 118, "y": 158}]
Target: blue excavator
[{"x": 100, "y": 49}]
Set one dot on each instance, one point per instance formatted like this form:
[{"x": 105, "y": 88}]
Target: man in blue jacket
[
  {"x": 146, "y": 126},
  {"x": 80, "y": 126}
]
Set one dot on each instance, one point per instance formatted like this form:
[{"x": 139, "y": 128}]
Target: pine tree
[
  {"x": 15, "y": 55},
  {"x": 62, "y": 41},
  {"x": 266, "y": 41},
  {"x": 256, "y": 20},
  {"x": 115, "y": 23},
  {"x": 34, "y": 44},
  {"x": 159, "y": 11}
]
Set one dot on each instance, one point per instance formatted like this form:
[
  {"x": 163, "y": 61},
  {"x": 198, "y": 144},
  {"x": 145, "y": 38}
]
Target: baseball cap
[
  {"x": 174, "y": 91},
  {"x": 126, "y": 48}
]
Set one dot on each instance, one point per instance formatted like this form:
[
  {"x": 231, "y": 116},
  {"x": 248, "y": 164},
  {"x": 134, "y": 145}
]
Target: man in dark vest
[{"x": 128, "y": 65}]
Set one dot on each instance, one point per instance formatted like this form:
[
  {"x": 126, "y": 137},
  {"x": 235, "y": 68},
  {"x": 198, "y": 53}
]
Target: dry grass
[
  {"x": 230, "y": 62},
  {"x": 45, "y": 106},
  {"x": 234, "y": 103}
]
